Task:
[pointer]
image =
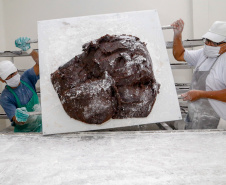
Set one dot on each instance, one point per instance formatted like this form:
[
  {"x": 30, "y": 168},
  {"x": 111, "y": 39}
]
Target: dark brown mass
[{"x": 112, "y": 78}]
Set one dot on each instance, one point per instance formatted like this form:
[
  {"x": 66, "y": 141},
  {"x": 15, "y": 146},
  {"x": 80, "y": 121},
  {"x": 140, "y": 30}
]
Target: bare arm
[
  {"x": 34, "y": 55},
  {"x": 23, "y": 44},
  {"x": 178, "y": 48},
  {"x": 194, "y": 95},
  {"x": 18, "y": 123}
]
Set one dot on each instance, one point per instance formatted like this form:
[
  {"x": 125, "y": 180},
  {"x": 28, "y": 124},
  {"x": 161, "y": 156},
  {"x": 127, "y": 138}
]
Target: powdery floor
[{"x": 111, "y": 158}]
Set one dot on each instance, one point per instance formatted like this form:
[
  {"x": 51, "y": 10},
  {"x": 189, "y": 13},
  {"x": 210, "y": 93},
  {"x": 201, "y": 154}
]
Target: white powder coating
[
  {"x": 136, "y": 60},
  {"x": 144, "y": 101},
  {"x": 116, "y": 158},
  {"x": 94, "y": 87},
  {"x": 132, "y": 44},
  {"x": 155, "y": 87},
  {"x": 96, "y": 94},
  {"x": 87, "y": 97},
  {"x": 126, "y": 56},
  {"x": 96, "y": 106},
  {"x": 57, "y": 86},
  {"x": 61, "y": 39}
]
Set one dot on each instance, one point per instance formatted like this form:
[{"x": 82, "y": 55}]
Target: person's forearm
[
  {"x": 15, "y": 121},
  {"x": 178, "y": 48},
  {"x": 34, "y": 55},
  {"x": 216, "y": 95}
]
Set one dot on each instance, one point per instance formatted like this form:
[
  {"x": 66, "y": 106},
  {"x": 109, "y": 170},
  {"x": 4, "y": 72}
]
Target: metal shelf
[
  {"x": 3, "y": 116},
  {"x": 181, "y": 66},
  {"x": 14, "y": 53},
  {"x": 169, "y": 45},
  {"x": 190, "y": 43}
]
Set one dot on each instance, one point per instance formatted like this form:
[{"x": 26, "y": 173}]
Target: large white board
[{"x": 61, "y": 39}]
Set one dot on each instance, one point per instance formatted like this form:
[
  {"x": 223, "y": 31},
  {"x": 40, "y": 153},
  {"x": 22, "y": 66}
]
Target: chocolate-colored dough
[{"x": 112, "y": 78}]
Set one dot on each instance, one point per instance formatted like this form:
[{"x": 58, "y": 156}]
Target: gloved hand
[
  {"x": 22, "y": 43},
  {"x": 21, "y": 114}
]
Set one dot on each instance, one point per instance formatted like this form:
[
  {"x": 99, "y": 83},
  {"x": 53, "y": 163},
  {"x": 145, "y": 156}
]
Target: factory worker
[
  {"x": 19, "y": 96},
  {"x": 207, "y": 95}
]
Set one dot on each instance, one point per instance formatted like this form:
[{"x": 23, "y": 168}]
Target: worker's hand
[
  {"x": 192, "y": 95},
  {"x": 178, "y": 26},
  {"x": 22, "y": 43},
  {"x": 21, "y": 114},
  {"x": 222, "y": 49}
]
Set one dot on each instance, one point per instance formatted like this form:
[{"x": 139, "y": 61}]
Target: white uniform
[{"x": 216, "y": 79}]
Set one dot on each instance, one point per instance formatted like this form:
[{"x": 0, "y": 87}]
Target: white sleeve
[
  {"x": 224, "y": 69},
  {"x": 192, "y": 56}
]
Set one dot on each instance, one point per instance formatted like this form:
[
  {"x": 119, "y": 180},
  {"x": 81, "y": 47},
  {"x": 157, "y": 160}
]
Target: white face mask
[
  {"x": 211, "y": 52},
  {"x": 14, "y": 81}
]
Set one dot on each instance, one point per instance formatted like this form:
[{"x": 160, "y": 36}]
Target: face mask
[
  {"x": 211, "y": 52},
  {"x": 14, "y": 81}
]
